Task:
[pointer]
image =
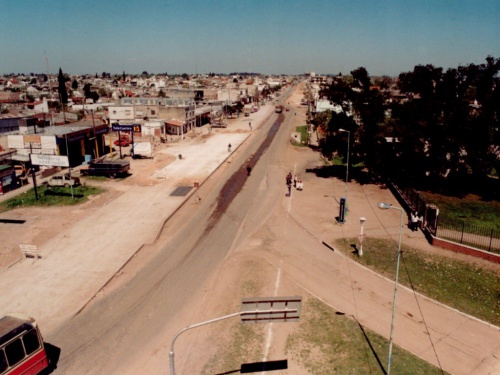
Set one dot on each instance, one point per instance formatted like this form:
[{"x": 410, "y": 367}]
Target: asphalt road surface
[{"x": 193, "y": 245}]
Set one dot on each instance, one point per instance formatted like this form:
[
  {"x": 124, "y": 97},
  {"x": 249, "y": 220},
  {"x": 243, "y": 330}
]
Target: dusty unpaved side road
[{"x": 284, "y": 256}]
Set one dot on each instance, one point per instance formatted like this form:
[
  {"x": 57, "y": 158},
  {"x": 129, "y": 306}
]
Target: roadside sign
[
  {"x": 126, "y": 127},
  {"x": 271, "y": 309},
  {"x": 50, "y": 160}
]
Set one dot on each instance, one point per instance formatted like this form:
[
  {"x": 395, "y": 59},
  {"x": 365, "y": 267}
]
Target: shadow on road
[{"x": 53, "y": 355}]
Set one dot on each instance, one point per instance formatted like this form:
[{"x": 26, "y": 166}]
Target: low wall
[{"x": 453, "y": 246}]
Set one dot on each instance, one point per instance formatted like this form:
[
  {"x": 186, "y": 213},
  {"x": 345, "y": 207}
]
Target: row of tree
[{"x": 448, "y": 127}]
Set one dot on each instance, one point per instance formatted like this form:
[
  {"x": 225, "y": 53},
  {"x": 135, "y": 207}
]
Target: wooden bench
[{"x": 30, "y": 251}]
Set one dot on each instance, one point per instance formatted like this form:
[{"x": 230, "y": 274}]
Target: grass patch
[
  {"x": 461, "y": 285},
  {"x": 470, "y": 209},
  {"x": 56, "y": 196},
  {"x": 243, "y": 346},
  {"x": 326, "y": 343},
  {"x": 303, "y": 136}
]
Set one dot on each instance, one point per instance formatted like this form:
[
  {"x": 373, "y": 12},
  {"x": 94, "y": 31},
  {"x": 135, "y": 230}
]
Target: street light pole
[
  {"x": 362, "y": 236},
  {"x": 385, "y": 206},
  {"x": 347, "y": 170}
]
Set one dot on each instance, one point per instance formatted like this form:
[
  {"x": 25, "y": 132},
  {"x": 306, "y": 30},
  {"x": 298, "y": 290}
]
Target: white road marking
[{"x": 270, "y": 327}]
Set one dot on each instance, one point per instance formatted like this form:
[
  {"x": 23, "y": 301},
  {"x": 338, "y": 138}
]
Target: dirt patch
[{"x": 43, "y": 223}]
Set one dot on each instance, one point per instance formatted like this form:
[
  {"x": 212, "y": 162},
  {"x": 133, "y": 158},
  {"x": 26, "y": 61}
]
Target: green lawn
[
  {"x": 57, "y": 196},
  {"x": 303, "y": 136},
  {"x": 476, "y": 212},
  {"x": 328, "y": 343},
  {"x": 463, "y": 286}
]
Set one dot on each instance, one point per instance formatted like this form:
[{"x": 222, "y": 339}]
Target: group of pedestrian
[
  {"x": 297, "y": 183},
  {"x": 416, "y": 221}
]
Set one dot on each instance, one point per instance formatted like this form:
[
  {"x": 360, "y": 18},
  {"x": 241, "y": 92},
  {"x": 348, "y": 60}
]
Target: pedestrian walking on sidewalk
[
  {"x": 229, "y": 147},
  {"x": 250, "y": 125},
  {"x": 289, "y": 184},
  {"x": 249, "y": 170},
  {"x": 295, "y": 181}
]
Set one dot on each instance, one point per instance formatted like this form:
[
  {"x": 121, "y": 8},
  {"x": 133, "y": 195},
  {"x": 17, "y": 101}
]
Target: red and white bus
[{"x": 21, "y": 346}]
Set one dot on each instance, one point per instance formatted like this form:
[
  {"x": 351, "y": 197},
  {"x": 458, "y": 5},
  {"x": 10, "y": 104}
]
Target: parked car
[
  {"x": 218, "y": 124},
  {"x": 62, "y": 180},
  {"x": 123, "y": 141},
  {"x": 247, "y": 114}
]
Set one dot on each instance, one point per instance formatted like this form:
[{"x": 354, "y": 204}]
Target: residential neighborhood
[{"x": 34, "y": 120}]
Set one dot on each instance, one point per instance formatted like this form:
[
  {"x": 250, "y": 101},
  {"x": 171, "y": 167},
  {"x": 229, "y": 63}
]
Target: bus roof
[{"x": 10, "y": 323}]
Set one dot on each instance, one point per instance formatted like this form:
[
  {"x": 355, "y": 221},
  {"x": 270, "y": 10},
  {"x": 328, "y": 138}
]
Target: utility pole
[
  {"x": 95, "y": 135},
  {"x": 50, "y": 90}
]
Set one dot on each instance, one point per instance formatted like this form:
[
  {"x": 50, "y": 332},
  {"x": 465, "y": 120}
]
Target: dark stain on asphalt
[{"x": 235, "y": 183}]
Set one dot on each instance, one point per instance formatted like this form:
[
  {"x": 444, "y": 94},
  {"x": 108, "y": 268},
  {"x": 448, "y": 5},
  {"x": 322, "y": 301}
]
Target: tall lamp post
[
  {"x": 347, "y": 170},
  {"x": 385, "y": 206}
]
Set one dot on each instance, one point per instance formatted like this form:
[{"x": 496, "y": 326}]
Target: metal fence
[{"x": 461, "y": 232}]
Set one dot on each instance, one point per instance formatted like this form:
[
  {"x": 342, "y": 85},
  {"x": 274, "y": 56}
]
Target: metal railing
[
  {"x": 454, "y": 230},
  {"x": 464, "y": 233}
]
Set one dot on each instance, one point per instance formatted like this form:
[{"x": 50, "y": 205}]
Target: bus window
[
  {"x": 3, "y": 362},
  {"x": 30, "y": 341},
  {"x": 14, "y": 352}
]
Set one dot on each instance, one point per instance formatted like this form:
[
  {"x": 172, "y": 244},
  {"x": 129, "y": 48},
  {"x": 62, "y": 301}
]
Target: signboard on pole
[
  {"x": 50, "y": 160},
  {"x": 136, "y": 128},
  {"x": 271, "y": 309},
  {"x": 342, "y": 208}
]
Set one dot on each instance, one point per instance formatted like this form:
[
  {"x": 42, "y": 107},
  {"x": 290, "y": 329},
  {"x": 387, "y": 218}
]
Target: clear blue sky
[{"x": 264, "y": 36}]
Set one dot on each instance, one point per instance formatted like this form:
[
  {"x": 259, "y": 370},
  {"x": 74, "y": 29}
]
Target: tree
[
  {"x": 332, "y": 141},
  {"x": 63, "y": 93},
  {"x": 89, "y": 94},
  {"x": 361, "y": 79},
  {"x": 338, "y": 92},
  {"x": 74, "y": 85}
]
